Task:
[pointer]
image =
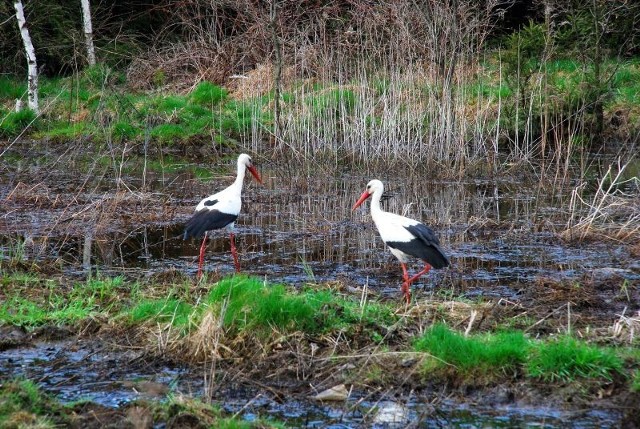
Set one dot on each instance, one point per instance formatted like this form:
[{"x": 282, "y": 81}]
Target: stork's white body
[
  {"x": 405, "y": 237},
  {"x": 393, "y": 228}
]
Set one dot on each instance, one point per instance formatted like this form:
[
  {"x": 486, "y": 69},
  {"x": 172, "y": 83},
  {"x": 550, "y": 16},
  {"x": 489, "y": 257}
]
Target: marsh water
[{"x": 299, "y": 229}]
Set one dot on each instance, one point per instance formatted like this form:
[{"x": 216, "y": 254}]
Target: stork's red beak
[
  {"x": 363, "y": 197},
  {"x": 254, "y": 173}
]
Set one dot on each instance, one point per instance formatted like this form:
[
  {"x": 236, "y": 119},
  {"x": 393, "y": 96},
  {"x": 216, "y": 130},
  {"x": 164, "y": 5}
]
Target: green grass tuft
[
  {"x": 485, "y": 353},
  {"x": 23, "y": 405},
  {"x": 172, "y": 311},
  {"x": 124, "y": 130},
  {"x": 333, "y": 102},
  {"x": 169, "y": 133},
  {"x": 13, "y": 123},
  {"x": 567, "y": 359},
  {"x": 64, "y": 131},
  {"x": 11, "y": 89},
  {"x": 248, "y": 304},
  {"x": 208, "y": 94}
]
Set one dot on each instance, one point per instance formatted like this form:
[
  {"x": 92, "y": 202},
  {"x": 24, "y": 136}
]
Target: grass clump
[
  {"x": 208, "y": 94},
  {"x": 564, "y": 359},
  {"x": 333, "y": 102},
  {"x": 13, "y": 123},
  {"x": 23, "y": 405},
  {"x": 58, "y": 311},
  {"x": 31, "y": 301},
  {"x": 250, "y": 305},
  {"x": 172, "y": 311},
  {"x": 207, "y": 415},
  {"x": 11, "y": 88},
  {"x": 482, "y": 353},
  {"x": 247, "y": 303},
  {"x": 66, "y": 131},
  {"x": 567, "y": 359}
]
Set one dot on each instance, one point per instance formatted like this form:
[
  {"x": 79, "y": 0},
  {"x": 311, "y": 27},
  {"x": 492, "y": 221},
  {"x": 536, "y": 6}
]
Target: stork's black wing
[{"x": 206, "y": 220}]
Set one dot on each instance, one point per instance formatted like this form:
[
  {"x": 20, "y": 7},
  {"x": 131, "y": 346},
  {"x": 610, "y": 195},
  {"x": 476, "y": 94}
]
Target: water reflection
[{"x": 298, "y": 228}]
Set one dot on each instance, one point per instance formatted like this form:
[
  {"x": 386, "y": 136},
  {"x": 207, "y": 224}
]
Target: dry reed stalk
[
  {"x": 611, "y": 213},
  {"x": 626, "y": 327},
  {"x": 206, "y": 342}
]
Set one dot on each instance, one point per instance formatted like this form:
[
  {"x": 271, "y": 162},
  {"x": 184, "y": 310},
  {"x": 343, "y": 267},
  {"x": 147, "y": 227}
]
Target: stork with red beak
[
  {"x": 405, "y": 237},
  {"x": 221, "y": 210}
]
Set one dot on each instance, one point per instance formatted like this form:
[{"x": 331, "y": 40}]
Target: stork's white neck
[
  {"x": 237, "y": 184},
  {"x": 375, "y": 202}
]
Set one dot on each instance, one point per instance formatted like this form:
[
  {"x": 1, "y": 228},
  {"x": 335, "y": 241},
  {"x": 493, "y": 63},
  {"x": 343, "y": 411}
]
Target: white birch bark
[
  {"x": 88, "y": 32},
  {"x": 31, "y": 57}
]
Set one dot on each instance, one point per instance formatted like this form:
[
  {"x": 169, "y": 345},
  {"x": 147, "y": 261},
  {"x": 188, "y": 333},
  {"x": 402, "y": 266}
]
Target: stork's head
[
  {"x": 372, "y": 186},
  {"x": 245, "y": 160}
]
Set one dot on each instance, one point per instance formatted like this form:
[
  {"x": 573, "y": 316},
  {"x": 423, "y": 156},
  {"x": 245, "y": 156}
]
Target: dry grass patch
[{"x": 611, "y": 213}]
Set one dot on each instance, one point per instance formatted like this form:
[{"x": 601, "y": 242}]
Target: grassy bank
[
  {"x": 228, "y": 318},
  {"x": 483, "y": 127}
]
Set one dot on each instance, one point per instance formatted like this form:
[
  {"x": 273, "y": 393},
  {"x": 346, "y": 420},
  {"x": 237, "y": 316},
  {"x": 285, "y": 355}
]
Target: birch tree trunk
[
  {"x": 31, "y": 57},
  {"x": 88, "y": 32}
]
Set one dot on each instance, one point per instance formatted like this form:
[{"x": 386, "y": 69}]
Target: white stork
[
  {"x": 220, "y": 210},
  {"x": 405, "y": 237}
]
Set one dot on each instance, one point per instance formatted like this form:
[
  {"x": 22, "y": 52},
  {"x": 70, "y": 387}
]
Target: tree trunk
[
  {"x": 31, "y": 57},
  {"x": 88, "y": 32}
]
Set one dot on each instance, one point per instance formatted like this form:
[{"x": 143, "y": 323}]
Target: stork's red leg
[
  {"x": 405, "y": 283},
  {"x": 234, "y": 252},
  {"x": 405, "y": 274},
  {"x": 203, "y": 247},
  {"x": 421, "y": 273}
]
